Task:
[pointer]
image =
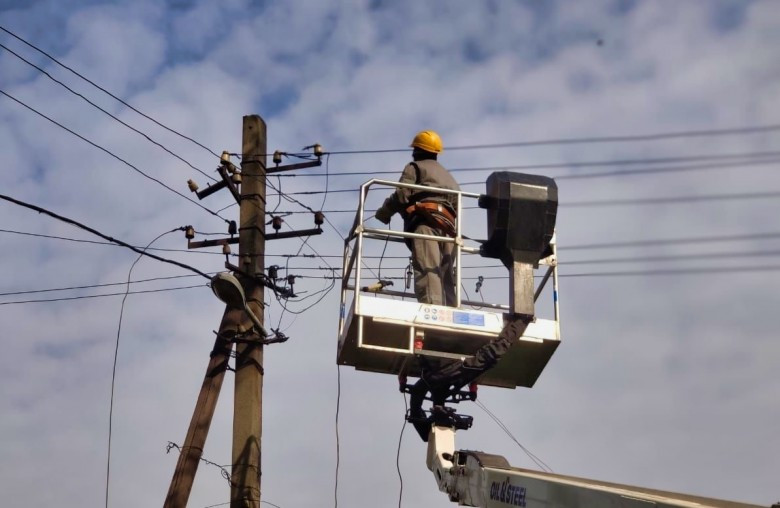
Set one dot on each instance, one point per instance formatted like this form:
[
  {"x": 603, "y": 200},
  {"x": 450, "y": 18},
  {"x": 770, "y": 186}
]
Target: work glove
[{"x": 383, "y": 215}]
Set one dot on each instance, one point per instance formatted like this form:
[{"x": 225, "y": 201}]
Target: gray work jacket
[{"x": 430, "y": 173}]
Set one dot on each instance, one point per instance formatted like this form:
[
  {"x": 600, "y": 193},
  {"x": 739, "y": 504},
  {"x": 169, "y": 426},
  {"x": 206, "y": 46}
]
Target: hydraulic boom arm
[{"x": 479, "y": 479}]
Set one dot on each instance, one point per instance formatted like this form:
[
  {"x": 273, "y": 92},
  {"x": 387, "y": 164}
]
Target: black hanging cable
[
  {"x": 101, "y": 235},
  {"x": 116, "y": 355},
  {"x": 539, "y": 462},
  {"x": 327, "y": 180},
  {"x": 338, "y": 451},
  {"x": 111, "y": 115},
  {"x": 398, "y": 454},
  {"x": 112, "y": 154},
  {"x": 47, "y": 55}
]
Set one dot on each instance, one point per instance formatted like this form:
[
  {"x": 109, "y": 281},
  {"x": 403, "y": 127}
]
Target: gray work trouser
[{"x": 433, "y": 264}]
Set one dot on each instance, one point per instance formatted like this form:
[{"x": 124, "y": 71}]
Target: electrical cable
[
  {"x": 398, "y": 454},
  {"x": 757, "y": 129},
  {"x": 629, "y": 202},
  {"x": 85, "y": 297},
  {"x": 580, "y": 164},
  {"x": 539, "y": 462},
  {"x": 101, "y": 235},
  {"x": 47, "y": 55},
  {"x": 116, "y": 355},
  {"x": 111, "y": 115},
  {"x": 95, "y": 242},
  {"x": 673, "y": 271},
  {"x": 592, "y": 246},
  {"x": 630, "y": 172},
  {"x": 105, "y": 150},
  {"x": 92, "y": 286},
  {"x": 338, "y": 450},
  {"x": 673, "y": 199},
  {"x": 327, "y": 179},
  {"x": 673, "y": 241}
]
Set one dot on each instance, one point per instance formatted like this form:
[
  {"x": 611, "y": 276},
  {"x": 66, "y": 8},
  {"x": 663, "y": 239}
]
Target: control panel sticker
[{"x": 468, "y": 318}]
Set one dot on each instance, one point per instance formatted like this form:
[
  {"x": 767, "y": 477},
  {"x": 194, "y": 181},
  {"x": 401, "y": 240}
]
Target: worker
[{"x": 427, "y": 213}]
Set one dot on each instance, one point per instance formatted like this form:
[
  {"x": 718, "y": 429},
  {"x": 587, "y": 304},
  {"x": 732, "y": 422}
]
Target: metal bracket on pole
[
  {"x": 290, "y": 167},
  {"x": 211, "y": 243}
]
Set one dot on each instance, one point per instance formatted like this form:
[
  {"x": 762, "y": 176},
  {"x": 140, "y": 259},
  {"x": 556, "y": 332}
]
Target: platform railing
[{"x": 352, "y": 260}]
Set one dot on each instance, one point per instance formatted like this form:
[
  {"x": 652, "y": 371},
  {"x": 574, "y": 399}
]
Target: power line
[
  {"x": 93, "y": 286},
  {"x": 47, "y": 55},
  {"x": 133, "y": 167},
  {"x": 101, "y": 235},
  {"x": 673, "y": 241},
  {"x": 146, "y": 136},
  {"x": 83, "y": 297},
  {"x": 758, "y": 129},
  {"x": 565, "y": 263},
  {"x": 95, "y": 242},
  {"x": 619, "y": 202},
  {"x": 571, "y": 164},
  {"x": 669, "y": 271},
  {"x": 602, "y": 174},
  {"x": 673, "y": 199},
  {"x": 589, "y": 246}
]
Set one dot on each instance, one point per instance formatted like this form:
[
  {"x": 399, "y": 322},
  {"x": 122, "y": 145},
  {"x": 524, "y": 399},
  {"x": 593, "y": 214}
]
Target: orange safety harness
[{"x": 436, "y": 214}]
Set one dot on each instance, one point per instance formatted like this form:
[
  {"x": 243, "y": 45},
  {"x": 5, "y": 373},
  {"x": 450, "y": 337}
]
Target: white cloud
[{"x": 668, "y": 382}]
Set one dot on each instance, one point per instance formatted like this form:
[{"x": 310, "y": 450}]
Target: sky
[{"x": 666, "y": 376}]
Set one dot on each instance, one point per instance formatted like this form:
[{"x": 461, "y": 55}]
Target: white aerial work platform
[
  {"x": 385, "y": 331},
  {"x": 390, "y": 332}
]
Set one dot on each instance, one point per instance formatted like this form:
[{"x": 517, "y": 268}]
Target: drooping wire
[
  {"x": 327, "y": 180},
  {"x": 381, "y": 258},
  {"x": 398, "y": 454},
  {"x": 47, "y": 55},
  {"x": 539, "y": 462},
  {"x": 101, "y": 235},
  {"x": 111, "y": 115},
  {"x": 112, "y": 154},
  {"x": 116, "y": 355},
  {"x": 338, "y": 445}
]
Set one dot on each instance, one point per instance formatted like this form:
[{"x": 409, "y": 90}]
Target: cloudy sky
[{"x": 667, "y": 373}]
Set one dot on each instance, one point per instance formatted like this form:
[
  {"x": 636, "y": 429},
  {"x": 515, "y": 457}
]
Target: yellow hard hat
[{"x": 428, "y": 141}]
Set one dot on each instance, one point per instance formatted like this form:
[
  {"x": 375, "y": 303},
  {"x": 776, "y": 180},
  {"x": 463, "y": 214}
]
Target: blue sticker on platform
[{"x": 467, "y": 318}]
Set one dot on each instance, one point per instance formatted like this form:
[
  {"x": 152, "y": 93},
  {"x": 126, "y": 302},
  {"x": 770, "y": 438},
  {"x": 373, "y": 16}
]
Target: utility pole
[
  {"x": 237, "y": 326},
  {"x": 192, "y": 448},
  {"x": 248, "y": 396}
]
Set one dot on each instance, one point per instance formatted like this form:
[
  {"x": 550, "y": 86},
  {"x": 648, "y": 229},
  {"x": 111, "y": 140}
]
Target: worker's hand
[{"x": 383, "y": 215}]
